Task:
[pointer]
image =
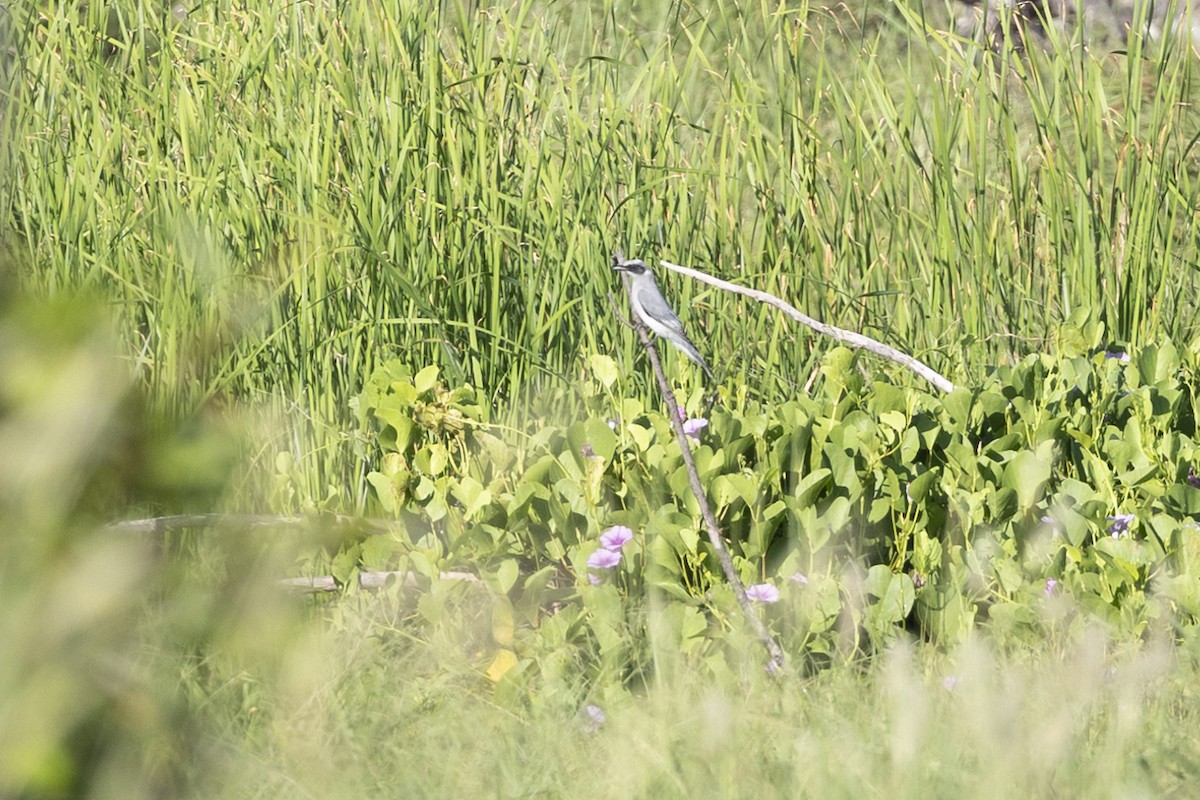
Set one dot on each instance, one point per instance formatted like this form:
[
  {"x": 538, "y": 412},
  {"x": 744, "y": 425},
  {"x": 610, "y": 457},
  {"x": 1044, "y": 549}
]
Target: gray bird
[{"x": 651, "y": 308}]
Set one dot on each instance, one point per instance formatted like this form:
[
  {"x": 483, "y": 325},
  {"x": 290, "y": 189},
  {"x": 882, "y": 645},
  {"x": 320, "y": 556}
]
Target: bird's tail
[{"x": 691, "y": 352}]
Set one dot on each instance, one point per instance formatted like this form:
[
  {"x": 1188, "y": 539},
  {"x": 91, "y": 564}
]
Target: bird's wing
[{"x": 651, "y": 299}]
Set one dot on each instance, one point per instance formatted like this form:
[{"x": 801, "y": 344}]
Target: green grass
[
  {"x": 215, "y": 228},
  {"x": 970, "y": 724},
  {"x": 273, "y": 199}
]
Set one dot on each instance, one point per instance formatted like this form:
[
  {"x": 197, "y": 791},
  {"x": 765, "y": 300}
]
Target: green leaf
[
  {"x": 1141, "y": 476},
  {"x": 894, "y": 593},
  {"x": 910, "y": 445},
  {"x": 641, "y": 435},
  {"x": 439, "y": 457},
  {"x": 812, "y": 486},
  {"x": 384, "y": 490},
  {"x": 1183, "y": 499},
  {"x": 1157, "y": 364},
  {"x": 402, "y": 394},
  {"x": 919, "y": 488},
  {"x": 741, "y": 486},
  {"x": 887, "y": 398},
  {"x": 1002, "y": 504},
  {"x": 774, "y": 510},
  {"x": 402, "y": 426},
  {"x": 1027, "y": 473},
  {"x": 690, "y": 537},
  {"x": 345, "y": 564},
  {"x": 820, "y": 603},
  {"x": 957, "y": 405},
  {"x": 506, "y": 575},
  {"x": 378, "y": 551},
  {"x": 426, "y": 379},
  {"x": 837, "y": 366},
  {"x": 844, "y": 470},
  {"x": 836, "y": 514},
  {"x": 601, "y": 437},
  {"x": 605, "y": 369},
  {"x": 895, "y": 420}
]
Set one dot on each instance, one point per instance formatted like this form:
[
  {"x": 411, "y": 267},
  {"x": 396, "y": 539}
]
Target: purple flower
[
  {"x": 593, "y": 717},
  {"x": 1192, "y": 477},
  {"x": 615, "y": 537},
  {"x": 613, "y": 423},
  {"x": 799, "y": 578},
  {"x": 1118, "y": 355},
  {"x": 763, "y": 593},
  {"x": 1120, "y": 525},
  {"x": 1051, "y": 522},
  {"x": 692, "y": 426},
  {"x": 1051, "y": 587},
  {"x": 604, "y": 559},
  {"x": 594, "y": 580}
]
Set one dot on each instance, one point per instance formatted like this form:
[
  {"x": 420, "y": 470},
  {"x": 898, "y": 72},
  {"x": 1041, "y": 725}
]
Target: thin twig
[
  {"x": 850, "y": 338},
  {"x": 178, "y": 522},
  {"x": 370, "y": 581},
  {"x": 775, "y": 664}
]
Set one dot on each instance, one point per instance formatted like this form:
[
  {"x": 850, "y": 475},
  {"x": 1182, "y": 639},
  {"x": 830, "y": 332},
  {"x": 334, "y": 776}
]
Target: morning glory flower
[
  {"x": 1118, "y": 355},
  {"x": 613, "y": 423},
  {"x": 615, "y": 537},
  {"x": 799, "y": 578},
  {"x": 1051, "y": 586},
  {"x": 604, "y": 559},
  {"x": 1120, "y": 525},
  {"x": 763, "y": 593},
  {"x": 1193, "y": 479},
  {"x": 593, "y": 717},
  {"x": 594, "y": 580},
  {"x": 692, "y": 427}
]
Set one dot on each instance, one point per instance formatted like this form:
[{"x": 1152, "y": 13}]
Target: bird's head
[{"x": 634, "y": 266}]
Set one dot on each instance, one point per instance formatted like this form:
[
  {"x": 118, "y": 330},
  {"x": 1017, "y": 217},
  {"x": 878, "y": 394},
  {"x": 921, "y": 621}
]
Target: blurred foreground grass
[{"x": 105, "y": 635}]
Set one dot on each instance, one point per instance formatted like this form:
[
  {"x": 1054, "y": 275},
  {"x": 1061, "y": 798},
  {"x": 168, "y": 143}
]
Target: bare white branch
[{"x": 848, "y": 338}]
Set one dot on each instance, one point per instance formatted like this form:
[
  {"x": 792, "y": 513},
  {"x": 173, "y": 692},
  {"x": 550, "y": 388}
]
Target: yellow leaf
[{"x": 501, "y": 664}]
